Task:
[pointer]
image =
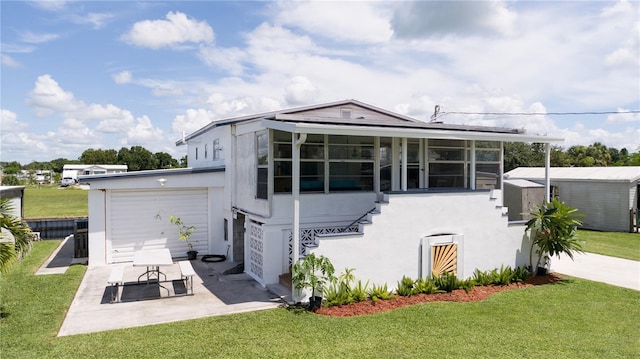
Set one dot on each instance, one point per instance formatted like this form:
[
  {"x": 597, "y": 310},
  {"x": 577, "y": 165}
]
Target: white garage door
[{"x": 140, "y": 220}]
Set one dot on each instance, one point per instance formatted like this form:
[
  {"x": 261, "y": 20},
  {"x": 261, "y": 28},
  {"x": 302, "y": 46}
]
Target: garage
[{"x": 139, "y": 219}]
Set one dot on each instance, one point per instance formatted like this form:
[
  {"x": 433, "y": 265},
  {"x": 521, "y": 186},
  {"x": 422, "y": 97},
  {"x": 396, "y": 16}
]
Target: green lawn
[
  {"x": 55, "y": 201},
  {"x": 571, "y": 319},
  {"x": 615, "y": 244}
]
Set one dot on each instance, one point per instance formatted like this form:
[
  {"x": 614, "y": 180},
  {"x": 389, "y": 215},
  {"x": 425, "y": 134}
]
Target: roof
[
  {"x": 82, "y": 167},
  {"x": 617, "y": 173},
  {"x": 150, "y": 173},
  {"x": 522, "y": 183},
  {"x": 388, "y": 124}
]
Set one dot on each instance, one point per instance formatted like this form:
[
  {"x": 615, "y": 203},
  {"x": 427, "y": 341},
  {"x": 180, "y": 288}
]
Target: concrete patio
[{"x": 215, "y": 293}]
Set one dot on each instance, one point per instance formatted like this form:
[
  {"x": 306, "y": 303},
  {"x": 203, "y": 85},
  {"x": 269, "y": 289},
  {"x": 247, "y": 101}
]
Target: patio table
[{"x": 153, "y": 260}]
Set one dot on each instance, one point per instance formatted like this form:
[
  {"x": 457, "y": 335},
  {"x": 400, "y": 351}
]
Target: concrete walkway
[{"x": 615, "y": 271}]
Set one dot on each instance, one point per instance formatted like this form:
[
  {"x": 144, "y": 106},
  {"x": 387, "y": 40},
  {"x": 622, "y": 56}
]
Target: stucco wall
[{"x": 390, "y": 246}]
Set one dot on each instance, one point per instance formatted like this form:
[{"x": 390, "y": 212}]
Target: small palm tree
[
  {"x": 553, "y": 229},
  {"x": 15, "y": 236}
]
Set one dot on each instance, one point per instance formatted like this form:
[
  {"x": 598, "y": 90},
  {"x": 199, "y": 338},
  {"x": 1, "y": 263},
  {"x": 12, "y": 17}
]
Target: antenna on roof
[{"x": 436, "y": 111}]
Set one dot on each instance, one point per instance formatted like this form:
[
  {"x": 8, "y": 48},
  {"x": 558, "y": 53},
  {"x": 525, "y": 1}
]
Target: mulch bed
[{"x": 476, "y": 294}]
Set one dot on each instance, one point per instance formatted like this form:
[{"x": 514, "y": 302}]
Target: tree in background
[
  {"x": 99, "y": 157},
  {"x": 165, "y": 160},
  {"x": 137, "y": 158}
]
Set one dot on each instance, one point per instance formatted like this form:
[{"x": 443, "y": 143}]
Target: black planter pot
[
  {"x": 191, "y": 255},
  {"x": 315, "y": 303},
  {"x": 541, "y": 271}
]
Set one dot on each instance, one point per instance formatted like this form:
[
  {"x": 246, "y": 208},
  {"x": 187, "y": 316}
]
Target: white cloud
[
  {"x": 227, "y": 59},
  {"x": 97, "y": 20},
  {"x": 122, "y": 77},
  {"x": 9, "y": 61},
  {"x": 144, "y": 133},
  {"x": 624, "y": 115},
  {"x": 300, "y": 91},
  {"x": 423, "y": 19},
  {"x": 48, "y": 97},
  {"x": 360, "y": 22},
  {"x": 192, "y": 120},
  {"x": 9, "y": 121},
  {"x": 75, "y": 132},
  {"x": 174, "y": 32},
  {"x": 33, "y": 38}
]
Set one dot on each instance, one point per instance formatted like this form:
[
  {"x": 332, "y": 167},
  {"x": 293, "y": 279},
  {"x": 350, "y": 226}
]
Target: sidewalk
[{"x": 615, "y": 271}]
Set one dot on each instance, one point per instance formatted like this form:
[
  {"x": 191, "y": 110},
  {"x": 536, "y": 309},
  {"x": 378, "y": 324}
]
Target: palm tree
[
  {"x": 15, "y": 236},
  {"x": 553, "y": 231}
]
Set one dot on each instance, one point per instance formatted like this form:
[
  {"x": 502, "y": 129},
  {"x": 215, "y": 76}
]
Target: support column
[
  {"x": 404, "y": 164},
  {"x": 296, "y": 143},
  {"x": 472, "y": 164},
  {"x": 547, "y": 170}
]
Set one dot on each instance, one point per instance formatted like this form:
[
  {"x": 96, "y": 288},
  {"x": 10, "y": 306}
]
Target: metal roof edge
[{"x": 151, "y": 173}]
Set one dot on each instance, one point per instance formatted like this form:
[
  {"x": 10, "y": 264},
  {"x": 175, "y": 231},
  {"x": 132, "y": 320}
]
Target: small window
[
  {"x": 262, "y": 161},
  {"x": 206, "y": 150},
  {"x": 216, "y": 150},
  {"x": 196, "y": 153}
]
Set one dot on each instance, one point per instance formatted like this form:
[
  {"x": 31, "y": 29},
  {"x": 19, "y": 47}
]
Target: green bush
[
  {"x": 381, "y": 292},
  {"x": 405, "y": 286},
  {"x": 447, "y": 282},
  {"x": 425, "y": 286},
  {"x": 482, "y": 278},
  {"x": 503, "y": 276}
]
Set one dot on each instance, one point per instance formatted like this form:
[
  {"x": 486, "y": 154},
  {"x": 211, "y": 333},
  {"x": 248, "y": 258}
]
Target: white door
[{"x": 140, "y": 220}]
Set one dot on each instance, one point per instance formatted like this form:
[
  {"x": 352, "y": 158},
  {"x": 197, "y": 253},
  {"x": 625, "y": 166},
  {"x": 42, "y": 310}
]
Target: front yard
[{"x": 571, "y": 319}]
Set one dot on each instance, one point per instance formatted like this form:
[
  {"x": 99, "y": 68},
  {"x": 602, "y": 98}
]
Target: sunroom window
[{"x": 262, "y": 160}]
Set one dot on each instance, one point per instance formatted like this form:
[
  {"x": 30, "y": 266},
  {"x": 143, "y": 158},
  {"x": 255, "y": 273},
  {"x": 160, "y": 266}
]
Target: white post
[
  {"x": 404, "y": 163},
  {"x": 472, "y": 175},
  {"x": 295, "y": 194},
  {"x": 547, "y": 170}
]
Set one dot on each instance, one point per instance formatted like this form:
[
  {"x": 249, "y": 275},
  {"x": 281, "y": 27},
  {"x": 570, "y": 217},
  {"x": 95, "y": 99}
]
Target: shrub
[
  {"x": 447, "y": 282},
  {"x": 425, "y": 286},
  {"x": 380, "y": 292},
  {"x": 482, "y": 278},
  {"x": 503, "y": 276},
  {"x": 520, "y": 274},
  {"x": 405, "y": 286},
  {"x": 359, "y": 292}
]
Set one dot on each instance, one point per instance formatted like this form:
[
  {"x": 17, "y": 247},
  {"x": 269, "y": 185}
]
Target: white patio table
[{"x": 153, "y": 259}]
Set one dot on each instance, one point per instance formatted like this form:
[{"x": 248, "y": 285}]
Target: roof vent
[{"x": 345, "y": 112}]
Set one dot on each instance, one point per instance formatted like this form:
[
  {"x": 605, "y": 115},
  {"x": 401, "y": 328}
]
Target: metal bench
[
  {"x": 116, "y": 280},
  {"x": 187, "y": 273}
]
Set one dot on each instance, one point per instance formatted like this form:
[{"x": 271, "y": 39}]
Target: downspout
[
  {"x": 296, "y": 143},
  {"x": 547, "y": 170}
]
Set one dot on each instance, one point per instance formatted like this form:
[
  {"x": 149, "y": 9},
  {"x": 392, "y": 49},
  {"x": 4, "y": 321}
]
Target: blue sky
[{"x": 112, "y": 74}]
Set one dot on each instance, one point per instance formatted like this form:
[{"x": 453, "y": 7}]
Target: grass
[
  {"x": 615, "y": 244},
  {"x": 55, "y": 201},
  {"x": 572, "y": 319}
]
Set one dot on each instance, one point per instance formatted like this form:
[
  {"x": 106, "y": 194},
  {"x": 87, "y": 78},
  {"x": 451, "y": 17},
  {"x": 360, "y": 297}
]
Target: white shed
[
  {"x": 607, "y": 196},
  {"x": 15, "y": 196}
]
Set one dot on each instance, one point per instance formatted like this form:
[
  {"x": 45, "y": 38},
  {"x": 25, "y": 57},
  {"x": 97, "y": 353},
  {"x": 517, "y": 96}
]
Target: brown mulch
[{"x": 476, "y": 294}]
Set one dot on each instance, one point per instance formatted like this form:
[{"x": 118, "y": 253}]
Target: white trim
[{"x": 314, "y": 128}]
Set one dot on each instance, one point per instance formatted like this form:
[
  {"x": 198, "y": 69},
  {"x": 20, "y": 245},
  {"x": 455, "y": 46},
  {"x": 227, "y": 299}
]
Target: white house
[
  {"x": 607, "y": 196},
  {"x": 373, "y": 190},
  {"x": 75, "y": 170}
]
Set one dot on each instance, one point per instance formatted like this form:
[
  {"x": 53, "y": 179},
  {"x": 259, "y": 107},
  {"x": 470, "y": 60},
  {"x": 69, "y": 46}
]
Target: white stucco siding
[
  {"x": 390, "y": 246},
  {"x": 140, "y": 220},
  {"x": 320, "y": 207}
]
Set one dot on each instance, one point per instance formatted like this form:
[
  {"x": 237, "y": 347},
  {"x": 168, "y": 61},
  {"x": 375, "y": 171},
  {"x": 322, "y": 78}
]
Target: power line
[{"x": 438, "y": 113}]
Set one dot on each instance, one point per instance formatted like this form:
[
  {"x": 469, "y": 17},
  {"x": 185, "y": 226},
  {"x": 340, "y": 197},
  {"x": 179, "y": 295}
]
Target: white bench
[
  {"x": 187, "y": 273},
  {"x": 116, "y": 280}
]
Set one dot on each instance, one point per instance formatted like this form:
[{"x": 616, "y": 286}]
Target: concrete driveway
[
  {"x": 615, "y": 271},
  {"x": 215, "y": 293}
]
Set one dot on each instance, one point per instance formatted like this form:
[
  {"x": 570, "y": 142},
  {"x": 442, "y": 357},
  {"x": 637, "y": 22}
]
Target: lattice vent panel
[
  {"x": 256, "y": 249},
  {"x": 444, "y": 258}
]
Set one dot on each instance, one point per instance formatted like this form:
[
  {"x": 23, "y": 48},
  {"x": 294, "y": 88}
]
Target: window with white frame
[
  {"x": 446, "y": 163},
  {"x": 262, "y": 161},
  {"x": 216, "y": 150},
  {"x": 206, "y": 150}
]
